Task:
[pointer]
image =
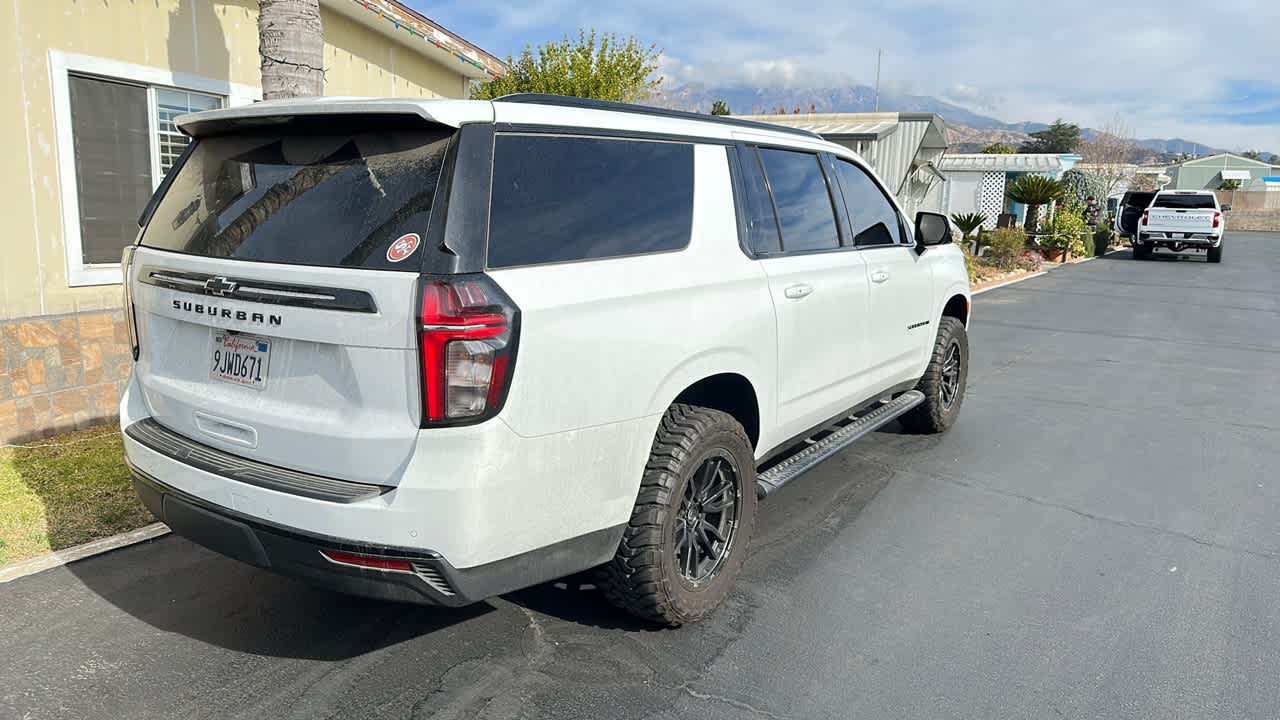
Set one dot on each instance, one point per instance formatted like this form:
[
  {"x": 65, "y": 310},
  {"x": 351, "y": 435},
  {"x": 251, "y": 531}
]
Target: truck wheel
[
  {"x": 1141, "y": 251},
  {"x": 943, "y": 382},
  {"x": 1215, "y": 254},
  {"x": 688, "y": 534}
]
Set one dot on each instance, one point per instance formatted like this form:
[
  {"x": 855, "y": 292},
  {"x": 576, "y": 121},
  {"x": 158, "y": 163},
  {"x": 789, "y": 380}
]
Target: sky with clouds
[{"x": 1205, "y": 71}]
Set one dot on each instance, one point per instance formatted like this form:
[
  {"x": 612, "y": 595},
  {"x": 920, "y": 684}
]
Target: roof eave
[{"x": 418, "y": 33}]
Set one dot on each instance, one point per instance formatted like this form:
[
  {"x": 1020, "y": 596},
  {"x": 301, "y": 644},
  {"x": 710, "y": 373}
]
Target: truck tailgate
[{"x": 1167, "y": 220}]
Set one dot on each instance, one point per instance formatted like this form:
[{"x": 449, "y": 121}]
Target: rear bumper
[
  {"x": 433, "y": 581},
  {"x": 1169, "y": 239}
]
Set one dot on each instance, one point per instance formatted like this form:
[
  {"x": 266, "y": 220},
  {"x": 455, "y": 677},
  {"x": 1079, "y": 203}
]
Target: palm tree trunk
[
  {"x": 1033, "y": 218},
  {"x": 291, "y": 46}
]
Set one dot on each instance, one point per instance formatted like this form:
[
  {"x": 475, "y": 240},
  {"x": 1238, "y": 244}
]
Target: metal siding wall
[{"x": 895, "y": 153}]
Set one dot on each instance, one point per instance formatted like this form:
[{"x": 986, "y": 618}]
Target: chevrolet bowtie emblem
[{"x": 220, "y": 286}]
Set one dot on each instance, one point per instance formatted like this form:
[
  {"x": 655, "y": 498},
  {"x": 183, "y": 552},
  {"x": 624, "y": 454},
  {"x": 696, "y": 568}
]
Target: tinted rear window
[
  {"x": 1185, "y": 202},
  {"x": 557, "y": 199},
  {"x": 804, "y": 203},
  {"x": 332, "y": 200}
]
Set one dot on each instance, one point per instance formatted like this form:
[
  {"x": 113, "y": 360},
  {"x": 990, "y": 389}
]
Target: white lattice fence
[{"x": 991, "y": 198}]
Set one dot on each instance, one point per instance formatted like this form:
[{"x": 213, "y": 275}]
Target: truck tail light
[
  {"x": 1217, "y": 219},
  {"x": 467, "y": 342},
  {"x": 1146, "y": 217},
  {"x": 130, "y": 319}
]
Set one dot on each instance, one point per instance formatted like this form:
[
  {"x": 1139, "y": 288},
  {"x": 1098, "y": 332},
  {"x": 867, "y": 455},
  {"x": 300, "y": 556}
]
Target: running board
[{"x": 804, "y": 460}]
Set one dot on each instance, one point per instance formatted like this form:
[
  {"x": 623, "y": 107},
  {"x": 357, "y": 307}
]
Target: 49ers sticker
[{"x": 403, "y": 247}]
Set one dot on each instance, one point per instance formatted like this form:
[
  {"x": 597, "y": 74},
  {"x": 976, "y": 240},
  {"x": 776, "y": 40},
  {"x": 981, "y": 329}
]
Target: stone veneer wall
[{"x": 61, "y": 372}]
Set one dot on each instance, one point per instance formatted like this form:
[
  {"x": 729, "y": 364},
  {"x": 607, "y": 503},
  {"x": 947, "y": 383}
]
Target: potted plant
[
  {"x": 1065, "y": 234},
  {"x": 1054, "y": 247}
]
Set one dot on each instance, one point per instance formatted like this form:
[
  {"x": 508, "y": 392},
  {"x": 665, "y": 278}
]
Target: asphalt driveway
[{"x": 1098, "y": 537}]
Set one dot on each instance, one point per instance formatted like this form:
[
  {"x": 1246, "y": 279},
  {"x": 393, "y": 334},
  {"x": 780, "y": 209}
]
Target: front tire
[
  {"x": 943, "y": 382},
  {"x": 1214, "y": 254},
  {"x": 688, "y": 535}
]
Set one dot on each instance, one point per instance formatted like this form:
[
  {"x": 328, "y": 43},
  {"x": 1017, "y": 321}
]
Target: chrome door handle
[
  {"x": 795, "y": 292},
  {"x": 879, "y": 276}
]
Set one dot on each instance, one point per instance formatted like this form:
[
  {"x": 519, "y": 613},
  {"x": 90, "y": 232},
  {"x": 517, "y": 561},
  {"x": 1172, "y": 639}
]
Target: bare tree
[
  {"x": 291, "y": 46},
  {"x": 1111, "y": 154},
  {"x": 1145, "y": 182}
]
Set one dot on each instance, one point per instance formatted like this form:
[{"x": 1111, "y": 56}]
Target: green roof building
[{"x": 1208, "y": 173}]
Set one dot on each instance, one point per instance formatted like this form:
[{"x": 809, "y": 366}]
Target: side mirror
[
  {"x": 931, "y": 229},
  {"x": 1226, "y": 208}
]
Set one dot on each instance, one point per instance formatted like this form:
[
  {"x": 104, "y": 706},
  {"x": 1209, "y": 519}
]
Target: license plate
[{"x": 240, "y": 359}]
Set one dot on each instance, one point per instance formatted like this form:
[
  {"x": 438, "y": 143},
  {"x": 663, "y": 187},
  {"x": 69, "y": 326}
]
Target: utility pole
[{"x": 879, "y": 57}]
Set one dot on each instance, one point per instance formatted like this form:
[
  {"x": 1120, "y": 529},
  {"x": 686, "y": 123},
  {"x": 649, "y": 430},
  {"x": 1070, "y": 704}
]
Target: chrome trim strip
[
  {"x": 235, "y": 288},
  {"x": 459, "y": 328}
]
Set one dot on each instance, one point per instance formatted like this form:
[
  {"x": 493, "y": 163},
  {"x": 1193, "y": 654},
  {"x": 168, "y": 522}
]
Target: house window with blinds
[
  {"x": 125, "y": 141},
  {"x": 170, "y": 142}
]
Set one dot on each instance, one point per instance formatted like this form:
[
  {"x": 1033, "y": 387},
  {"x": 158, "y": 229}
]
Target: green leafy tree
[
  {"x": 1252, "y": 155},
  {"x": 998, "y": 148},
  {"x": 720, "y": 107},
  {"x": 1034, "y": 191},
  {"x": 1230, "y": 185},
  {"x": 1060, "y": 137},
  {"x": 598, "y": 66}
]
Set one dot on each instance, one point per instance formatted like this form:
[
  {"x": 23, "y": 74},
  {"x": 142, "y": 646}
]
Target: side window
[
  {"x": 803, "y": 200},
  {"x": 557, "y": 198},
  {"x": 871, "y": 215},
  {"x": 759, "y": 223}
]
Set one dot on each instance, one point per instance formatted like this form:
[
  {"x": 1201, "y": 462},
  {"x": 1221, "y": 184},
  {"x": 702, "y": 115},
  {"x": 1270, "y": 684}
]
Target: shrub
[
  {"x": 1067, "y": 230},
  {"x": 1005, "y": 247},
  {"x": 1083, "y": 247},
  {"x": 1101, "y": 239}
]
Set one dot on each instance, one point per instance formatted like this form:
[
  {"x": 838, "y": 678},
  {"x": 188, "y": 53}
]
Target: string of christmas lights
[{"x": 432, "y": 37}]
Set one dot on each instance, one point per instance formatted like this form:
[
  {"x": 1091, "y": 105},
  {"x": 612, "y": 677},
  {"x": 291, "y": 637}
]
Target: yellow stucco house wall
[{"x": 61, "y": 330}]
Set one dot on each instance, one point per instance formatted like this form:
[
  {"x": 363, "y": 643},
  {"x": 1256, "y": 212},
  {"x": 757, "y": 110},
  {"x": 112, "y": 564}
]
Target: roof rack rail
[{"x": 590, "y": 104}]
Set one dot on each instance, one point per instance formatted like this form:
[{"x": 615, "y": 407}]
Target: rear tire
[
  {"x": 1141, "y": 251},
  {"x": 688, "y": 535},
  {"x": 943, "y": 382},
  {"x": 1214, "y": 254}
]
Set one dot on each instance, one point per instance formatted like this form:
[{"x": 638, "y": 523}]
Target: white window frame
[{"x": 61, "y": 66}]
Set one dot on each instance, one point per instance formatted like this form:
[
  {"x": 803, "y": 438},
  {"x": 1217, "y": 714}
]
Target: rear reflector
[{"x": 367, "y": 561}]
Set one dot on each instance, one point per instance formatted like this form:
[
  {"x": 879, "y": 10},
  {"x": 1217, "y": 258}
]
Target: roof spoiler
[{"x": 279, "y": 112}]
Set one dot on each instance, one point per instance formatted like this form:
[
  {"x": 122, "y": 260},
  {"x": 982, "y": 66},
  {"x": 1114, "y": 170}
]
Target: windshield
[
  {"x": 336, "y": 200},
  {"x": 1185, "y": 202}
]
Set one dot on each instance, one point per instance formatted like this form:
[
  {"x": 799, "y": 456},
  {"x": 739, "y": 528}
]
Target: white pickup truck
[{"x": 1181, "y": 220}]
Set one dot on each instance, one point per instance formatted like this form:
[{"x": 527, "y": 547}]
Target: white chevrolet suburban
[
  {"x": 434, "y": 351},
  {"x": 1181, "y": 220}
]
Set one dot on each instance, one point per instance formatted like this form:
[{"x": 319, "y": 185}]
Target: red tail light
[
  {"x": 468, "y": 342},
  {"x": 1217, "y": 219},
  {"x": 1146, "y": 216}
]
